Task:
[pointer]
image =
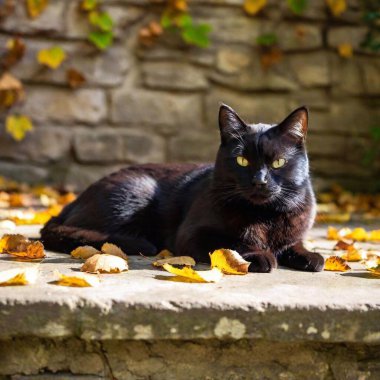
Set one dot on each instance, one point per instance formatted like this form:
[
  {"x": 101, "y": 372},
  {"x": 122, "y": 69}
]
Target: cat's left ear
[{"x": 295, "y": 125}]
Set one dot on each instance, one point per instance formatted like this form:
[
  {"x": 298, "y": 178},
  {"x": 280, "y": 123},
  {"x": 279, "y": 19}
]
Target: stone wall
[{"x": 160, "y": 103}]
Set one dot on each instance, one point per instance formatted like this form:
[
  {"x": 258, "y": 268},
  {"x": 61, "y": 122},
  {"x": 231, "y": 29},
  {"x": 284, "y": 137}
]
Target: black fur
[{"x": 261, "y": 212}]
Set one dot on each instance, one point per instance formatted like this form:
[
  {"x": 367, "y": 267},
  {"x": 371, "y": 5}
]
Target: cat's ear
[
  {"x": 295, "y": 125},
  {"x": 230, "y": 124}
]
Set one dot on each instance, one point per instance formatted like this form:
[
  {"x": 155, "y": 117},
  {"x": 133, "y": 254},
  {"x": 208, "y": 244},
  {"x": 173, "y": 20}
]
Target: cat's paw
[
  {"x": 261, "y": 262},
  {"x": 305, "y": 261}
]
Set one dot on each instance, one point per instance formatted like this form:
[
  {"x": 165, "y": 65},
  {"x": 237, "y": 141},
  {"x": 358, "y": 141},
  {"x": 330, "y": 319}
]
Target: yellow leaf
[
  {"x": 335, "y": 234},
  {"x": 104, "y": 264},
  {"x": 358, "y": 234},
  {"x": 84, "y": 252},
  {"x": 212, "y": 275},
  {"x": 337, "y": 264},
  {"x": 112, "y": 249},
  {"x": 337, "y": 7},
  {"x": 254, "y": 6},
  {"x": 229, "y": 262},
  {"x": 18, "y": 245},
  {"x": 18, "y": 276},
  {"x": 345, "y": 50},
  {"x": 177, "y": 260},
  {"x": 18, "y": 126},
  {"x": 52, "y": 57},
  {"x": 36, "y": 7},
  {"x": 9, "y": 242},
  {"x": 334, "y": 217},
  {"x": 76, "y": 280},
  {"x": 353, "y": 254},
  {"x": 374, "y": 235}
]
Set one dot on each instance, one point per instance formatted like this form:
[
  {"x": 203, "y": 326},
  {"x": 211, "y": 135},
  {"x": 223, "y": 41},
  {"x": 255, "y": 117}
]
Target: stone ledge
[{"x": 142, "y": 305}]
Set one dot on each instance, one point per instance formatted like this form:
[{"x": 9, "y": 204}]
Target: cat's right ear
[{"x": 230, "y": 124}]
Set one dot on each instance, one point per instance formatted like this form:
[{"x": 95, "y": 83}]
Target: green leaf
[
  {"x": 102, "y": 40},
  {"x": 101, "y": 20},
  {"x": 166, "y": 20},
  {"x": 89, "y": 5},
  {"x": 52, "y": 57},
  {"x": 374, "y": 132},
  {"x": 197, "y": 35},
  {"x": 18, "y": 126},
  {"x": 184, "y": 21},
  {"x": 297, "y": 6},
  {"x": 267, "y": 39}
]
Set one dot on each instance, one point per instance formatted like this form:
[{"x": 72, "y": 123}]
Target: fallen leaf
[
  {"x": 112, "y": 249},
  {"x": 29, "y": 250},
  {"x": 358, "y": 234},
  {"x": 164, "y": 254},
  {"x": 374, "y": 235},
  {"x": 75, "y": 78},
  {"x": 270, "y": 57},
  {"x": 336, "y": 7},
  {"x": 18, "y": 126},
  {"x": 52, "y": 57},
  {"x": 212, "y": 275},
  {"x": 89, "y": 5},
  {"x": 229, "y": 261},
  {"x": 18, "y": 276},
  {"x": 336, "y": 264},
  {"x": 79, "y": 280},
  {"x": 353, "y": 254},
  {"x": 345, "y": 50},
  {"x": 15, "y": 52},
  {"x": 9, "y": 82},
  {"x": 84, "y": 252},
  {"x": 335, "y": 234},
  {"x": 36, "y": 7},
  {"x": 104, "y": 263},
  {"x": 177, "y": 260},
  {"x": 254, "y": 6},
  {"x": 343, "y": 245},
  {"x": 334, "y": 217},
  {"x": 9, "y": 242}
]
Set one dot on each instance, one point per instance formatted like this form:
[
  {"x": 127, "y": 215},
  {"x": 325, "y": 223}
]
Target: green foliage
[
  {"x": 267, "y": 39},
  {"x": 297, "y": 6},
  {"x": 102, "y": 20},
  {"x": 372, "y": 39},
  {"x": 102, "y": 40},
  {"x": 89, "y": 5}
]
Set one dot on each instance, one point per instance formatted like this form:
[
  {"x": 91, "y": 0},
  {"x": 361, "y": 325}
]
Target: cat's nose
[{"x": 259, "y": 179}]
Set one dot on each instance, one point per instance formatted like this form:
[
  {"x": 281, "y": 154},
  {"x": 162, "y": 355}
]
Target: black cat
[{"x": 257, "y": 199}]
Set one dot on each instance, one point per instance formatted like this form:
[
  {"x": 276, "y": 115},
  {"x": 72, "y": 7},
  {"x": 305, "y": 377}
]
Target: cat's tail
[{"x": 62, "y": 238}]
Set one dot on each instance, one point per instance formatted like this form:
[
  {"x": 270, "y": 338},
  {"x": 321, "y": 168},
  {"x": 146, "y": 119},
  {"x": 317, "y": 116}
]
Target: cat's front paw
[
  {"x": 304, "y": 260},
  {"x": 261, "y": 262}
]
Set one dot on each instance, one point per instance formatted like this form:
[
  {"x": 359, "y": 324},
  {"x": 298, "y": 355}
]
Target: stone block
[
  {"x": 339, "y": 168},
  {"x": 311, "y": 70},
  {"x": 50, "y": 21},
  {"x": 314, "y": 99},
  {"x": 43, "y": 144},
  {"x": 106, "y": 146},
  {"x": 253, "y": 108},
  {"x": 194, "y": 147},
  {"x": 100, "y": 68},
  {"x": 22, "y": 172},
  {"x": 346, "y": 34},
  {"x": 169, "y": 112},
  {"x": 46, "y": 105},
  {"x": 173, "y": 76},
  {"x": 124, "y": 16},
  {"x": 298, "y": 36},
  {"x": 371, "y": 75}
]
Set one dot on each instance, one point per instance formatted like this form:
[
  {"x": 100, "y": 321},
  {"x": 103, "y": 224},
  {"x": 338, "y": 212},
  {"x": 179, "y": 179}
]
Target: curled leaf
[
  {"x": 112, "y": 249},
  {"x": 336, "y": 264},
  {"x": 229, "y": 261},
  {"x": 84, "y": 252},
  {"x": 177, "y": 260},
  {"x": 79, "y": 280},
  {"x": 75, "y": 78},
  {"x": 104, "y": 263},
  {"x": 164, "y": 254},
  {"x": 18, "y": 276},
  {"x": 52, "y": 57},
  {"x": 9, "y": 242},
  {"x": 212, "y": 275}
]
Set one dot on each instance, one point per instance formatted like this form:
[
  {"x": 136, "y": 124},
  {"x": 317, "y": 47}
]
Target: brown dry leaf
[
  {"x": 9, "y": 82},
  {"x": 112, "y": 249},
  {"x": 104, "y": 263},
  {"x": 254, "y": 6},
  {"x": 343, "y": 245},
  {"x": 271, "y": 57},
  {"x": 18, "y": 276},
  {"x": 345, "y": 50},
  {"x": 229, "y": 261},
  {"x": 75, "y": 78},
  {"x": 164, "y": 254},
  {"x": 36, "y": 7},
  {"x": 188, "y": 273},
  {"x": 9, "y": 242},
  {"x": 177, "y": 260},
  {"x": 78, "y": 280},
  {"x": 14, "y": 54},
  {"x": 336, "y": 264},
  {"x": 84, "y": 252}
]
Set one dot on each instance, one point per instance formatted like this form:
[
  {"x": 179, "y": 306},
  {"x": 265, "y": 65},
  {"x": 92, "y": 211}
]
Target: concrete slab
[{"x": 143, "y": 304}]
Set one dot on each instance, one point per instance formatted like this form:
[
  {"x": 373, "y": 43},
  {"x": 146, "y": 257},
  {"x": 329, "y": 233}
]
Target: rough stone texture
[{"x": 160, "y": 102}]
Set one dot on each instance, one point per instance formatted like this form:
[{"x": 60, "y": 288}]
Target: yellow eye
[
  {"x": 278, "y": 163},
  {"x": 242, "y": 161}
]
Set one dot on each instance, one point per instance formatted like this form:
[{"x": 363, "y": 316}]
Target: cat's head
[{"x": 261, "y": 162}]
